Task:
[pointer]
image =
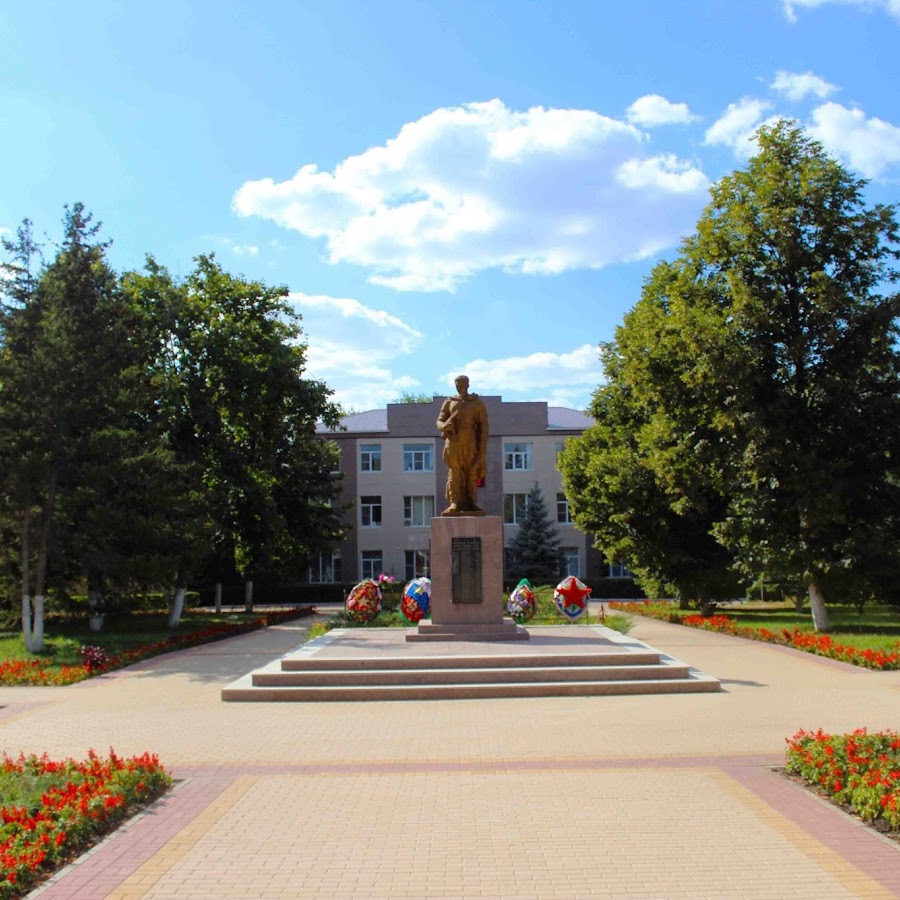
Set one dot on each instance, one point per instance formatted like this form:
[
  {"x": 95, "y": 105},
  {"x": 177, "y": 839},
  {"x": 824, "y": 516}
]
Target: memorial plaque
[{"x": 465, "y": 563}]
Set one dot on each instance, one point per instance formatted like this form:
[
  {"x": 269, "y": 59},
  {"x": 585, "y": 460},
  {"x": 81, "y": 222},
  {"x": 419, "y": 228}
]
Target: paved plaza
[{"x": 653, "y": 796}]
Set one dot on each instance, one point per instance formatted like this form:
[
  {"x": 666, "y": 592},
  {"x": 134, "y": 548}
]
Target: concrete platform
[{"x": 382, "y": 664}]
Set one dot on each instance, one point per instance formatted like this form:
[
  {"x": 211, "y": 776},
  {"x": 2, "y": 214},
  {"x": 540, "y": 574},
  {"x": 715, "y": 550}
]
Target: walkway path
[{"x": 667, "y": 796}]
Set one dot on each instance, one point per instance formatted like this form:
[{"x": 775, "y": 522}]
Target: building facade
[{"x": 394, "y": 479}]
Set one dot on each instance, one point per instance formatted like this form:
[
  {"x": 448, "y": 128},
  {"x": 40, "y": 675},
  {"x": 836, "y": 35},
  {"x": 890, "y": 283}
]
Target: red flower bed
[
  {"x": 820, "y": 644},
  {"x": 860, "y": 771},
  {"x": 79, "y": 801},
  {"x": 37, "y": 672}
]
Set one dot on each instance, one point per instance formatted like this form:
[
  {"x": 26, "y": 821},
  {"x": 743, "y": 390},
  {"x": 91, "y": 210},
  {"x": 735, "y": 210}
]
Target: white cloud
[
  {"x": 654, "y": 109},
  {"x": 796, "y": 86},
  {"x": 868, "y": 145},
  {"x": 737, "y": 125},
  {"x": 482, "y": 186},
  {"x": 666, "y": 172},
  {"x": 889, "y": 6},
  {"x": 354, "y": 349},
  {"x": 574, "y": 374},
  {"x": 244, "y": 249}
]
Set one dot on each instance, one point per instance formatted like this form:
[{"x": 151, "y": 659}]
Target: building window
[
  {"x": 370, "y": 457},
  {"x": 617, "y": 570},
  {"x": 514, "y": 506},
  {"x": 571, "y": 564},
  {"x": 418, "y": 457},
  {"x": 562, "y": 509},
  {"x": 370, "y": 511},
  {"x": 417, "y": 510},
  {"x": 417, "y": 564},
  {"x": 560, "y": 446},
  {"x": 336, "y": 458},
  {"x": 370, "y": 563},
  {"x": 325, "y": 568},
  {"x": 517, "y": 457}
]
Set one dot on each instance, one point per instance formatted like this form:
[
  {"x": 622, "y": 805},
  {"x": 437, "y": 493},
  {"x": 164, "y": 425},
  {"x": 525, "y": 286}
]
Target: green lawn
[
  {"x": 876, "y": 628},
  {"x": 63, "y": 636}
]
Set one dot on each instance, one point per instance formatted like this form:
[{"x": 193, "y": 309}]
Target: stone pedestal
[{"x": 467, "y": 583}]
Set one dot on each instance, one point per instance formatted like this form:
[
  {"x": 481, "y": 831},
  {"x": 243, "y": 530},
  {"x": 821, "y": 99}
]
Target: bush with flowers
[
  {"x": 820, "y": 644},
  {"x": 860, "y": 771},
  {"x": 38, "y": 672},
  {"x": 53, "y": 810}
]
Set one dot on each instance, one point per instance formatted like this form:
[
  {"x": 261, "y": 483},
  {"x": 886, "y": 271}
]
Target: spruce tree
[{"x": 535, "y": 549}]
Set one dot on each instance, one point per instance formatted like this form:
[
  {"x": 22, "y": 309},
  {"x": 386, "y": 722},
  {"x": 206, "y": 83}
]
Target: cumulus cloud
[
  {"x": 355, "y": 349},
  {"x": 654, "y": 109},
  {"x": 868, "y": 145},
  {"x": 737, "y": 125},
  {"x": 889, "y": 6},
  {"x": 797, "y": 86},
  {"x": 482, "y": 186},
  {"x": 563, "y": 379}
]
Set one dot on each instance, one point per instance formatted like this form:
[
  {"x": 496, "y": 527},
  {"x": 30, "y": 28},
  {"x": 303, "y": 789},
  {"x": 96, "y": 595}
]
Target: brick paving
[{"x": 666, "y": 796}]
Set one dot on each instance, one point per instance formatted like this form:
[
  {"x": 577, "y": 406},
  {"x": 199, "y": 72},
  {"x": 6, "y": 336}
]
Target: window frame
[
  {"x": 366, "y": 560},
  {"x": 333, "y": 569},
  {"x": 411, "y": 560},
  {"x": 513, "y": 510},
  {"x": 370, "y": 457},
  {"x": 370, "y": 508},
  {"x": 409, "y": 510},
  {"x": 563, "y": 510},
  {"x": 518, "y": 456},
  {"x": 410, "y": 455}
]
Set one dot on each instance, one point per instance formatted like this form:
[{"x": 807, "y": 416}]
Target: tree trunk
[
  {"x": 26, "y": 582},
  {"x": 176, "y": 607},
  {"x": 817, "y": 606},
  {"x": 40, "y": 570},
  {"x": 218, "y": 600},
  {"x": 95, "y": 605},
  {"x": 37, "y": 633},
  {"x": 248, "y": 596}
]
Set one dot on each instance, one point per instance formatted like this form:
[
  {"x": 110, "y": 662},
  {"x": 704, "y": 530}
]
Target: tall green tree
[
  {"x": 73, "y": 441},
  {"x": 762, "y": 370},
  {"x": 241, "y": 417},
  {"x": 535, "y": 549}
]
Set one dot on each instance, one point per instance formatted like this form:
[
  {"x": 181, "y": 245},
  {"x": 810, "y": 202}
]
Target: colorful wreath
[
  {"x": 571, "y": 597},
  {"x": 416, "y": 601},
  {"x": 522, "y": 603},
  {"x": 364, "y": 601}
]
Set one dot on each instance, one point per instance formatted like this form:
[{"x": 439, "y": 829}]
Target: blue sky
[{"x": 445, "y": 187}]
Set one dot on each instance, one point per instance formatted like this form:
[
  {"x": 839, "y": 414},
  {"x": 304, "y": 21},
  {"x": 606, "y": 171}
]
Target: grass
[
  {"x": 65, "y": 635},
  {"x": 877, "y": 627}
]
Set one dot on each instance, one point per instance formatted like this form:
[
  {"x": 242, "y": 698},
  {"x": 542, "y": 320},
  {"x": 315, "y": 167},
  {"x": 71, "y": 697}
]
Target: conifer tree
[{"x": 535, "y": 549}]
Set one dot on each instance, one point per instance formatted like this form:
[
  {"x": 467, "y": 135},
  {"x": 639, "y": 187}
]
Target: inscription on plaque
[{"x": 465, "y": 557}]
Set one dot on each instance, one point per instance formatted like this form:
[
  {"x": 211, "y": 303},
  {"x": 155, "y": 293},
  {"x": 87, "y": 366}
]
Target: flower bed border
[
  {"x": 15, "y": 672},
  {"x": 819, "y": 644},
  {"x": 87, "y": 800}
]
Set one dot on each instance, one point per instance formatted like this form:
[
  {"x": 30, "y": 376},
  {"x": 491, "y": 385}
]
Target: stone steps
[{"x": 338, "y": 668}]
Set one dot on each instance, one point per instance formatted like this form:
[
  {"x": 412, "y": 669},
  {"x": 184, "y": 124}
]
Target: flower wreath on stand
[
  {"x": 571, "y": 597},
  {"x": 364, "y": 602},
  {"x": 522, "y": 602},
  {"x": 416, "y": 602}
]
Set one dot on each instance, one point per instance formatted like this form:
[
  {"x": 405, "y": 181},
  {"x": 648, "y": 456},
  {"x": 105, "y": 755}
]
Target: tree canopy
[
  {"x": 751, "y": 415},
  {"x": 148, "y": 423}
]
